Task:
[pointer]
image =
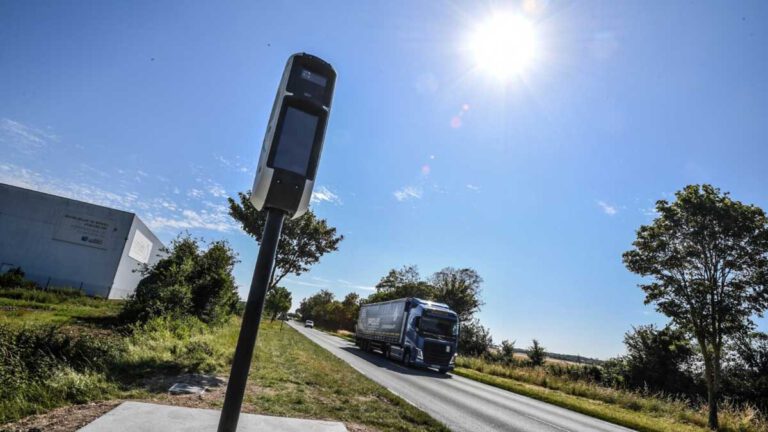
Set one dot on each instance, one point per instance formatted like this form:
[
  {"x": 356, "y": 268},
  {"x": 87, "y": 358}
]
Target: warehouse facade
[{"x": 58, "y": 241}]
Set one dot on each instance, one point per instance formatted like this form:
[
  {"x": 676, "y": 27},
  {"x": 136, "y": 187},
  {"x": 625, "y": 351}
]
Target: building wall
[
  {"x": 62, "y": 242},
  {"x": 141, "y": 247}
]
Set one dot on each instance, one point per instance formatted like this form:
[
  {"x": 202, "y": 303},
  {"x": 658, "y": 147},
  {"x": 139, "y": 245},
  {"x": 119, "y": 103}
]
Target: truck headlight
[
  {"x": 419, "y": 355},
  {"x": 453, "y": 359}
]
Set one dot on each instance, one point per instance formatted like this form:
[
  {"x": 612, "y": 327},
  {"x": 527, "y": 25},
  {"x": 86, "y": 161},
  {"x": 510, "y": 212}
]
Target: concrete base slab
[{"x": 145, "y": 417}]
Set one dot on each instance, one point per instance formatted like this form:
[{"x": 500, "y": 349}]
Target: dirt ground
[{"x": 71, "y": 418}]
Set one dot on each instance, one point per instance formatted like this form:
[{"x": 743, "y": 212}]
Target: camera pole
[{"x": 249, "y": 329}]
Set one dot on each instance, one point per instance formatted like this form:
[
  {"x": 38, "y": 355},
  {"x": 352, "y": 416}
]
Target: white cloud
[
  {"x": 24, "y": 138},
  {"x": 650, "y": 211},
  {"x": 310, "y": 284},
  {"x": 195, "y": 193},
  {"x": 217, "y": 191},
  {"x": 473, "y": 187},
  {"x": 407, "y": 193},
  {"x": 608, "y": 209},
  {"x": 235, "y": 164},
  {"x": 216, "y": 220},
  {"x": 29, "y": 179},
  {"x": 323, "y": 194},
  {"x": 348, "y": 284},
  {"x": 159, "y": 213}
]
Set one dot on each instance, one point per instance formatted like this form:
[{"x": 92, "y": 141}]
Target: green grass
[
  {"x": 634, "y": 410},
  {"x": 71, "y": 355},
  {"x": 57, "y": 306}
]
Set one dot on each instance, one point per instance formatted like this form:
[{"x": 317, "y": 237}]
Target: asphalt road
[{"x": 460, "y": 403}]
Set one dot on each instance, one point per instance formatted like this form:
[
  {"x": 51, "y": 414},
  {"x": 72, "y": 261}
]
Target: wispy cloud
[
  {"x": 608, "y": 209},
  {"x": 160, "y": 214},
  {"x": 235, "y": 164},
  {"x": 348, "y": 284},
  {"x": 473, "y": 187},
  {"x": 24, "y": 138},
  {"x": 408, "y": 193},
  {"x": 31, "y": 179},
  {"x": 650, "y": 211},
  {"x": 323, "y": 194},
  {"x": 213, "y": 220},
  {"x": 305, "y": 283}
]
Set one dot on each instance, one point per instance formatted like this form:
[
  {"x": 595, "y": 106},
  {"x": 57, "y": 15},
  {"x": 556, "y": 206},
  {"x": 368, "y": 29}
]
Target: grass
[
  {"x": 62, "y": 350},
  {"x": 20, "y": 306},
  {"x": 630, "y": 409}
]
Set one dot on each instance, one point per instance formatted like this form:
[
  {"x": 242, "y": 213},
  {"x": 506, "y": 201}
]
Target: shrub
[
  {"x": 187, "y": 282},
  {"x": 474, "y": 339},
  {"x": 536, "y": 353},
  {"x": 14, "y": 278}
]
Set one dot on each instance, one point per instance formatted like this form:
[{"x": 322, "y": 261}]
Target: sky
[{"x": 537, "y": 180}]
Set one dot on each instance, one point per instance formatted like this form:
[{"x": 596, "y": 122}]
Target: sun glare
[{"x": 504, "y": 45}]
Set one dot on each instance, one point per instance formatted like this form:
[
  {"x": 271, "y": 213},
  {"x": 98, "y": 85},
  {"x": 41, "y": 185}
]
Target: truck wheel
[
  {"x": 407, "y": 357},
  {"x": 443, "y": 370}
]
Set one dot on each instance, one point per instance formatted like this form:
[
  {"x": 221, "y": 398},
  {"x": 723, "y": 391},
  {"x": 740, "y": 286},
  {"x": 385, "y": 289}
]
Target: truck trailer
[{"x": 410, "y": 330}]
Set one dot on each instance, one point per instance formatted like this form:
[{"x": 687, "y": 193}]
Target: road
[{"x": 460, "y": 403}]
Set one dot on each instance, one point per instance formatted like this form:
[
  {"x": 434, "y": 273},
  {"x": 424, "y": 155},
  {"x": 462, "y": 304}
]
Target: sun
[{"x": 504, "y": 46}]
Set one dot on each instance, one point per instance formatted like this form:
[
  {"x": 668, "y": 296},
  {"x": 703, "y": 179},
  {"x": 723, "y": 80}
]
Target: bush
[
  {"x": 536, "y": 353},
  {"x": 14, "y": 278},
  {"x": 188, "y": 282},
  {"x": 41, "y": 367},
  {"x": 474, "y": 339}
]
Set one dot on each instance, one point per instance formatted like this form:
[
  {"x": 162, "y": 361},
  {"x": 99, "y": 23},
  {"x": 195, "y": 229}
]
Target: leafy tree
[
  {"x": 746, "y": 374},
  {"x": 459, "y": 289},
  {"x": 278, "y": 301},
  {"x": 536, "y": 353},
  {"x": 350, "y": 310},
  {"x": 311, "y": 308},
  {"x": 656, "y": 359},
  {"x": 474, "y": 339},
  {"x": 507, "y": 348},
  {"x": 187, "y": 281},
  {"x": 213, "y": 288},
  {"x": 706, "y": 257},
  {"x": 405, "y": 282},
  {"x": 303, "y": 241}
]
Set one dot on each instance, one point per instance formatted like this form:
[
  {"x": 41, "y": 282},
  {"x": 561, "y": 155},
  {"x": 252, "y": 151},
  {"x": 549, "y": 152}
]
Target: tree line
[{"x": 703, "y": 260}]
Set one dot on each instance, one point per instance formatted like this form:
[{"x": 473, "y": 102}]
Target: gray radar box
[{"x": 294, "y": 139}]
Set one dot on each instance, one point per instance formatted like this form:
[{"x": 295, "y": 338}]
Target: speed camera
[{"x": 294, "y": 140}]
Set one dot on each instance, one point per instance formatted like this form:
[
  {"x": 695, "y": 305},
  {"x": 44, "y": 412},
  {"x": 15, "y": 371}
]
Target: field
[
  {"x": 643, "y": 412},
  {"x": 88, "y": 359}
]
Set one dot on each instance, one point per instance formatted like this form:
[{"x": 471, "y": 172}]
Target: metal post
[{"x": 241, "y": 364}]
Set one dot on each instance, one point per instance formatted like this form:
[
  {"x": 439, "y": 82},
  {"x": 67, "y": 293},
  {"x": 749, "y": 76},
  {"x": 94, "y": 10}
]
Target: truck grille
[{"x": 435, "y": 353}]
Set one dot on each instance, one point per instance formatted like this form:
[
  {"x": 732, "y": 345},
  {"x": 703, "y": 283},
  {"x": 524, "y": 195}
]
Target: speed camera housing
[{"x": 294, "y": 140}]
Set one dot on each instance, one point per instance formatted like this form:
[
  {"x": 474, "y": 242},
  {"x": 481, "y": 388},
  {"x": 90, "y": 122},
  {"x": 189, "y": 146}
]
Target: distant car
[{"x": 309, "y": 323}]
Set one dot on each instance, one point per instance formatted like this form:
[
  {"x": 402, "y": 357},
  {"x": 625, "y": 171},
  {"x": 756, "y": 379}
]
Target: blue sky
[{"x": 538, "y": 182}]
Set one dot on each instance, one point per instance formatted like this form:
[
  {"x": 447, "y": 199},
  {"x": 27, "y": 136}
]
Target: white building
[{"x": 59, "y": 241}]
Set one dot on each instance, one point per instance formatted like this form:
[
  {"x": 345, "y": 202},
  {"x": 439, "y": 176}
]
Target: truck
[{"x": 413, "y": 331}]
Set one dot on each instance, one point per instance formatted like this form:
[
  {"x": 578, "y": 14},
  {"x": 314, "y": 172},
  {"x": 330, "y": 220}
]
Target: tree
[
  {"x": 507, "y": 351},
  {"x": 405, "y": 282},
  {"x": 474, "y": 339},
  {"x": 656, "y": 359},
  {"x": 188, "y": 281},
  {"x": 706, "y": 257},
  {"x": 459, "y": 289},
  {"x": 311, "y": 307},
  {"x": 746, "y": 374},
  {"x": 350, "y": 307},
  {"x": 537, "y": 353},
  {"x": 278, "y": 301},
  {"x": 303, "y": 241}
]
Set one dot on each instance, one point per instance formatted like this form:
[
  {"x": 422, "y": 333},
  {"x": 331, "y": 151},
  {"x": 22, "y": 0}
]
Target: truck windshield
[{"x": 442, "y": 328}]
